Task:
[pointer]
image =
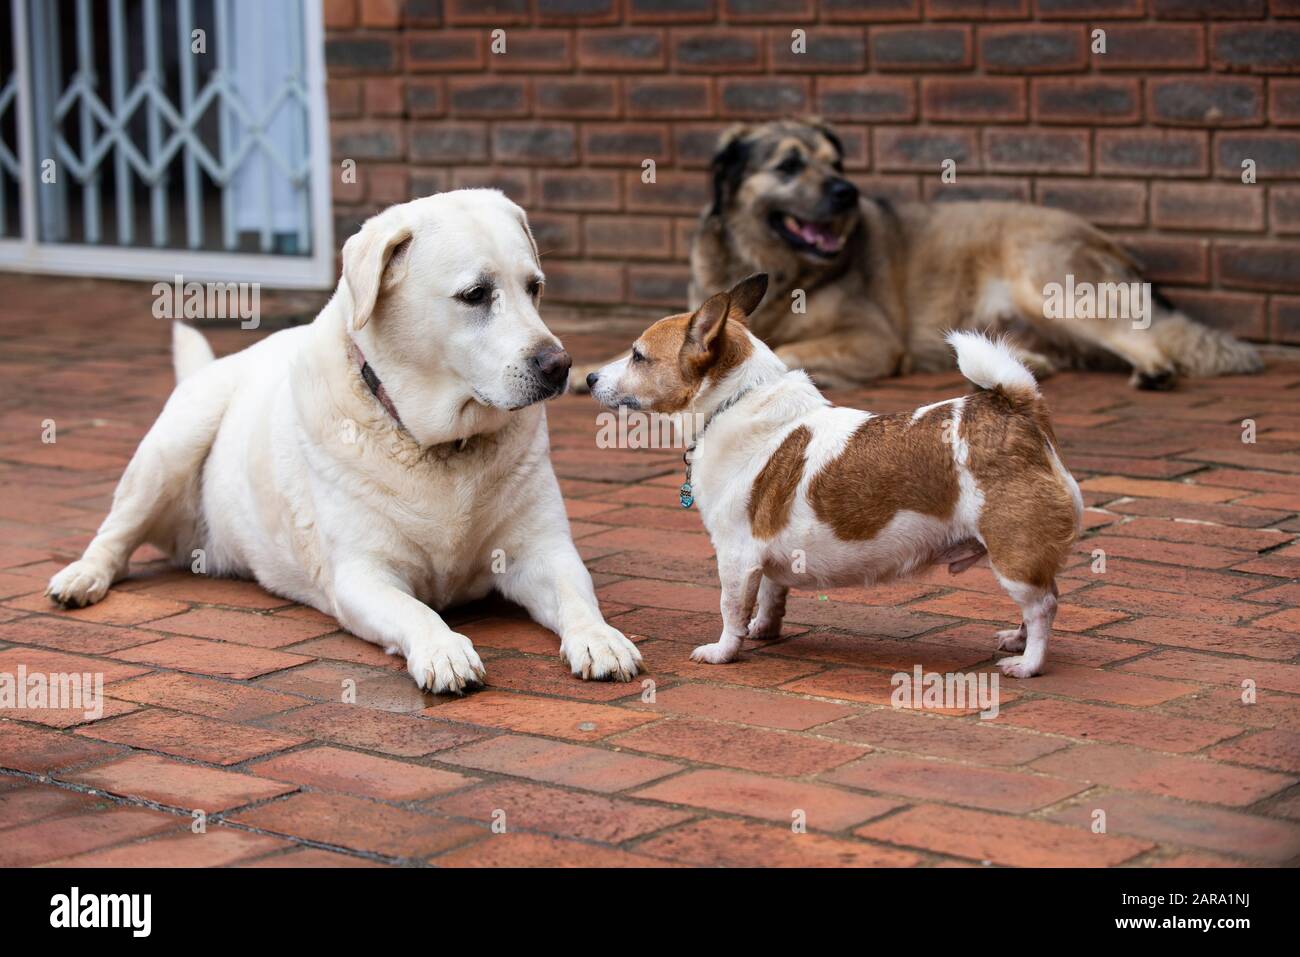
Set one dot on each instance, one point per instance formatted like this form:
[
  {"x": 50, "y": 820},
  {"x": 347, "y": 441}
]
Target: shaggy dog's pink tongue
[{"x": 818, "y": 235}]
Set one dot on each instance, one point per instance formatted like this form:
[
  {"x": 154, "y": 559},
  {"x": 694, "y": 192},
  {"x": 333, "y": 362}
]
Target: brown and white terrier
[{"x": 796, "y": 492}]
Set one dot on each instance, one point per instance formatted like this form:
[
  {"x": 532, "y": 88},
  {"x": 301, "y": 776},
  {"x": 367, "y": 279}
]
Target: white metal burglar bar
[{"x": 146, "y": 138}]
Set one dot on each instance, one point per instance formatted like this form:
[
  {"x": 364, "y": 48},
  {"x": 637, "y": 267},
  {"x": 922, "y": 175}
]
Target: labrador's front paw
[
  {"x": 445, "y": 664},
  {"x": 81, "y": 583},
  {"x": 602, "y": 653}
]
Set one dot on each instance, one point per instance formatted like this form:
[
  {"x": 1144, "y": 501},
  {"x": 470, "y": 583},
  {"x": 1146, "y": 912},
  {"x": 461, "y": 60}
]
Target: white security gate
[{"x": 150, "y": 138}]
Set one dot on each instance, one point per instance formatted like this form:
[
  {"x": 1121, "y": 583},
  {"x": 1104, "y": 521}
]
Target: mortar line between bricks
[
  {"x": 708, "y": 813},
  {"x": 1101, "y": 791},
  {"x": 220, "y": 818},
  {"x": 697, "y": 813},
  {"x": 181, "y": 814},
  {"x": 338, "y": 848},
  {"x": 146, "y": 709},
  {"x": 843, "y": 834},
  {"x": 305, "y": 746},
  {"x": 250, "y": 683},
  {"x": 162, "y": 636}
]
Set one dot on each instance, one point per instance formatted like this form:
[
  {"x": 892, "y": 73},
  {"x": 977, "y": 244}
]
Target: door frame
[{"x": 29, "y": 254}]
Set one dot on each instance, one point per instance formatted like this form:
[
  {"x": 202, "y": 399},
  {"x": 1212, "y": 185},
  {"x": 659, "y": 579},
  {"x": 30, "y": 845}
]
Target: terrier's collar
[
  {"x": 686, "y": 493},
  {"x": 727, "y": 404},
  {"x": 372, "y": 381}
]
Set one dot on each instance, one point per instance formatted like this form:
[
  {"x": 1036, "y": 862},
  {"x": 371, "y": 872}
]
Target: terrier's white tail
[
  {"x": 190, "y": 351},
  {"x": 991, "y": 364}
]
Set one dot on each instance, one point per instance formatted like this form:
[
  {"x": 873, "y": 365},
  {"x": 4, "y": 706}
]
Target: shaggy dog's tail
[
  {"x": 190, "y": 351},
  {"x": 1201, "y": 351},
  {"x": 992, "y": 364}
]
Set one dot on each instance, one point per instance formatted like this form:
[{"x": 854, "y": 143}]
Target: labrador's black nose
[
  {"x": 841, "y": 193},
  {"x": 591, "y": 379},
  {"x": 552, "y": 365}
]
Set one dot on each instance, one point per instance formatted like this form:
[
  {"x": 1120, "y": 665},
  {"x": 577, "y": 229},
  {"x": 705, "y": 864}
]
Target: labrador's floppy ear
[
  {"x": 518, "y": 212},
  {"x": 748, "y": 293},
  {"x": 374, "y": 260}
]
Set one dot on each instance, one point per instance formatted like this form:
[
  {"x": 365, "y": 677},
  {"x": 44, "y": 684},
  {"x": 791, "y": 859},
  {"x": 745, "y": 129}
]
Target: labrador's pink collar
[{"x": 372, "y": 381}]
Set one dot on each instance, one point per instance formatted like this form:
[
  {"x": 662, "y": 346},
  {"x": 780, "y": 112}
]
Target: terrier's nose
[
  {"x": 591, "y": 379},
  {"x": 552, "y": 365}
]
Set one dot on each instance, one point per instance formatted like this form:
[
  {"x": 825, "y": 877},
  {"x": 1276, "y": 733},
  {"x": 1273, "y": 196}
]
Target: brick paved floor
[{"x": 227, "y": 699}]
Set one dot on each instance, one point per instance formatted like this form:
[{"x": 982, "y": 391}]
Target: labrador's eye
[
  {"x": 473, "y": 295},
  {"x": 535, "y": 288},
  {"x": 638, "y": 355}
]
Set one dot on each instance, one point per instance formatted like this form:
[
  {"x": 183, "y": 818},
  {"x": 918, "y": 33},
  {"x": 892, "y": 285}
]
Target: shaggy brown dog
[{"x": 863, "y": 288}]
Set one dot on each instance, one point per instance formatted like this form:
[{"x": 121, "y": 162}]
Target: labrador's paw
[
  {"x": 81, "y": 583},
  {"x": 445, "y": 664},
  {"x": 601, "y": 652}
]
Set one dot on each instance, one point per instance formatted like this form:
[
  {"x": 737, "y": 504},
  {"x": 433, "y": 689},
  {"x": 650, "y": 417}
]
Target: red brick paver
[{"x": 1171, "y": 702}]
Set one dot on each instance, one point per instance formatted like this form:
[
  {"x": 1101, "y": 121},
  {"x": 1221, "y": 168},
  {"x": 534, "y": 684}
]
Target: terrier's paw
[
  {"x": 1019, "y": 667},
  {"x": 602, "y": 653},
  {"x": 445, "y": 664},
  {"x": 765, "y": 630},
  {"x": 81, "y": 583},
  {"x": 1013, "y": 639},
  {"x": 715, "y": 654}
]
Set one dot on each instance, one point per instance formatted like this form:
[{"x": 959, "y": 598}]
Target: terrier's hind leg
[
  {"x": 769, "y": 611},
  {"x": 1038, "y": 607},
  {"x": 1012, "y": 639}
]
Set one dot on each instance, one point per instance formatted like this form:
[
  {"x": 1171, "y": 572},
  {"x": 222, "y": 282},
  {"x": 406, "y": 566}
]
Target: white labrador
[{"x": 388, "y": 457}]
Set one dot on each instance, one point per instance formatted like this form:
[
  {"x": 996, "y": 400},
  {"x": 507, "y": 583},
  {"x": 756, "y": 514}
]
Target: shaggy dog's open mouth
[{"x": 806, "y": 236}]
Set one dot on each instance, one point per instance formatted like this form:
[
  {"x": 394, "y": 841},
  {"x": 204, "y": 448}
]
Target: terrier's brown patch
[
  {"x": 1028, "y": 518},
  {"x": 772, "y": 495},
  {"x": 889, "y": 464}
]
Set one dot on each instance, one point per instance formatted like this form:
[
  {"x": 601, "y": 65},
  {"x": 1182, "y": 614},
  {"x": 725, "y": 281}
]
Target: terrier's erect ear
[
  {"x": 748, "y": 293},
  {"x": 708, "y": 324},
  {"x": 374, "y": 261}
]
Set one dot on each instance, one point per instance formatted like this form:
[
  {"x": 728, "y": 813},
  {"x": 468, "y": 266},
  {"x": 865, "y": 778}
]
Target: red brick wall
[{"x": 1146, "y": 140}]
